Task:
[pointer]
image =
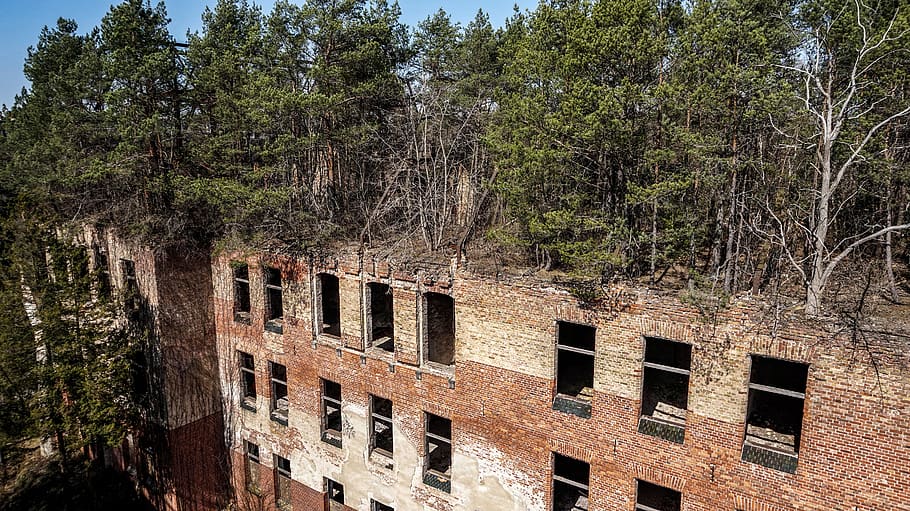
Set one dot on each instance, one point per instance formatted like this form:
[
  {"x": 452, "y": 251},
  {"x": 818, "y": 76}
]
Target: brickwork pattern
[{"x": 853, "y": 451}]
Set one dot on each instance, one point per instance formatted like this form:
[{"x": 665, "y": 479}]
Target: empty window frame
[
  {"x": 329, "y": 300},
  {"x": 130, "y": 283},
  {"x": 574, "y": 368},
  {"x": 282, "y": 482},
  {"x": 241, "y": 292},
  {"x": 334, "y": 493},
  {"x": 777, "y": 392},
  {"x": 381, "y": 426},
  {"x": 571, "y": 478},
  {"x": 247, "y": 380},
  {"x": 378, "y": 506},
  {"x": 438, "y": 448},
  {"x": 651, "y": 497},
  {"x": 439, "y": 328},
  {"x": 274, "y": 305},
  {"x": 102, "y": 268},
  {"x": 665, "y": 388},
  {"x": 279, "y": 387},
  {"x": 331, "y": 412},
  {"x": 381, "y": 326},
  {"x": 252, "y": 466}
]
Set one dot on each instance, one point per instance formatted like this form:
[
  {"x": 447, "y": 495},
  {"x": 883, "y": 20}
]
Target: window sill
[
  {"x": 279, "y": 418},
  {"x": 332, "y": 438},
  {"x": 661, "y": 429},
  {"x": 381, "y": 458},
  {"x": 274, "y": 326},
  {"x": 242, "y": 318},
  {"x": 248, "y": 404},
  {"x": 439, "y": 481},
  {"x": 573, "y": 406},
  {"x": 770, "y": 458}
]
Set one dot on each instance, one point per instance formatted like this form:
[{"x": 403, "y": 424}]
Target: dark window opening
[
  {"x": 247, "y": 380},
  {"x": 139, "y": 371},
  {"x": 329, "y": 305},
  {"x": 574, "y": 368},
  {"x": 279, "y": 384},
  {"x": 283, "y": 482},
  {"x": 242, "y": 293},
  {"x": 440, "y": 328},
  {"x": 570, "y": 484},
  {"x": 130, "y": 284},
  {"x": 381, "y": 426},
  {"x": 334, "y": 494},
  {"x": 651, "y": 497},
  {"x": 382, "y": 321},
  {"x": 331, "y": 413},
  {"x": 102, "y": 267},
  {"x": 777, "y": 391},
  {"x": 438, "y": 448},
  {"x": 665, "y": 389},
  {"x": 252, "y": 466},
  {"x": 378, "y": 506},
  {"x": 274, "y": 317}
]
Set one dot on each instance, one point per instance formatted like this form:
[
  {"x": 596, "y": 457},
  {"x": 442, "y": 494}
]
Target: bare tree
[{"x": 846, "y": 119}]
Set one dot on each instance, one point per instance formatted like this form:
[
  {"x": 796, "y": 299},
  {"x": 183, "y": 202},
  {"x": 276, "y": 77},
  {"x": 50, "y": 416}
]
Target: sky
[{"x": 21, "y": 22}]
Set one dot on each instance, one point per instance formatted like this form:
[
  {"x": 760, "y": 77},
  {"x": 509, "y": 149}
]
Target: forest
[{"x": 724, "y": 146}]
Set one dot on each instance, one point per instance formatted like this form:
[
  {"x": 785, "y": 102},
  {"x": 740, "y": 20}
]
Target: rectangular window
[
  {"x": 378, "y": 506},
  {"x": 439, "y": 330},
  {"x": 651, "y": 497},
  {"x": 381, "y": 426},
  {"x": 574, "y": 368},
  {"x": 777, "y": 391},
  {"x": 274, "y": 317},
  {"x": 247, "y": 380},
  {"x": 382, "y": 321},
  {"x": 438, "y": 448},
  {"x": 334, "y": 494},
  {"x": 102, "y": 267},
  {"x": 283, "y": 482},
  {"x": 241, "y": 293},
  {"x": 279, "y": 383},
  {"x": 331, "y": 413},
  {"x": 570, "y": 484},
  {"x": 665, "y": 389},
  {"x": 329, "y": 301},
  {"x": 252, "y": 466},
  {"x": 130, "y": 283}
]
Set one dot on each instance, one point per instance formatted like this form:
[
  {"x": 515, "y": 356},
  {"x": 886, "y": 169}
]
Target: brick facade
[{"x": 499, "y": 397}]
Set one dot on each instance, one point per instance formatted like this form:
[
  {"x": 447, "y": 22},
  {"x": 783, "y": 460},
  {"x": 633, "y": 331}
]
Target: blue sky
[{"x": 22, "y": 21}]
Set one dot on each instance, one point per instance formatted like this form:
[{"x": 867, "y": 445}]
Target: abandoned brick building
[{"x": 353, "y": 383}]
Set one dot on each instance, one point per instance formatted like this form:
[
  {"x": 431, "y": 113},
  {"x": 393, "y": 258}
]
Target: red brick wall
[{"x": 854, "y": 447}]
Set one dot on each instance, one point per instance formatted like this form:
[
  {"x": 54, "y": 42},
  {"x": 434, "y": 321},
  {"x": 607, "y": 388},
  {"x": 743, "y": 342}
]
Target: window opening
[
  {"x": 440, "y": 328},
  {"x": 378, "y": 506},
  {"x": 252, "y": 466},
  {"x": 438, "y": 448},
  {"x": 247, "y": 380},
  {"x": 102, "y": 266},
  {"x": 335, "y": 495},
  {"x": 651, "y": 497},
  {"x": 381, "y": 426},
  {"x": 278, "y": 376},
  {"x": 329, "y": 305},
  {"x": 570, "y": 483},
  {"x": 777, "y": 391},
  {"x": 574, "y": 368},
  {"x": 382, "y": 322},
  {"x": 665, "y": 389},
  {"x": 130, "y": 284},
  {"x": 331, "y": 413},
  {"x": 283, "y": 482},
  {"x": 273, "y": 297},
  {"x": 242, "y": 293}
]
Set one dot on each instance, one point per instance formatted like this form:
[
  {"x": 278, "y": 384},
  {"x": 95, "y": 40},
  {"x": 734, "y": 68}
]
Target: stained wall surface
[{"x": 499, "y": 395}]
